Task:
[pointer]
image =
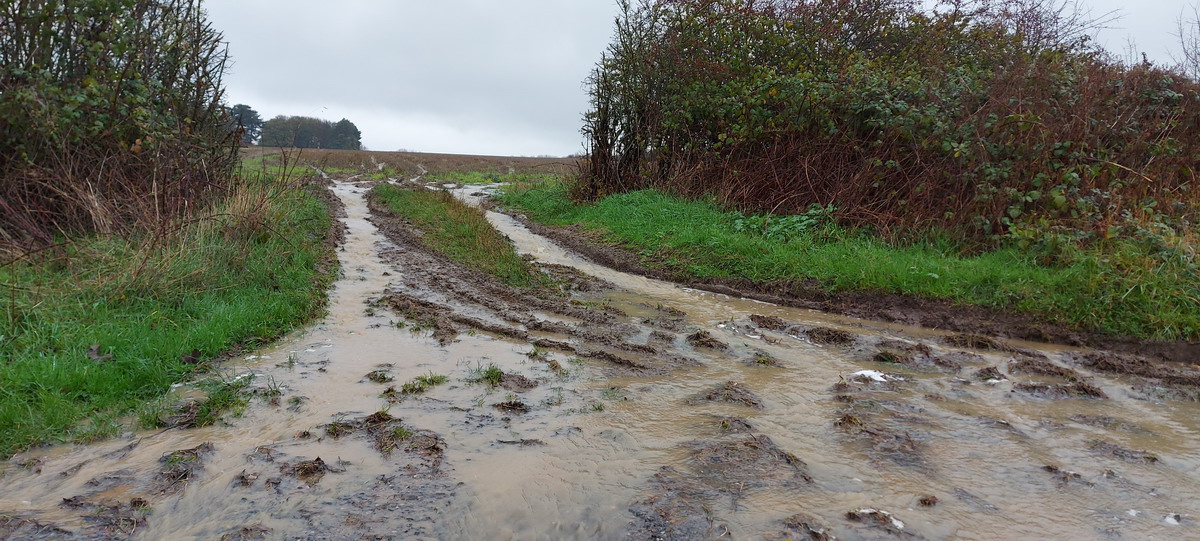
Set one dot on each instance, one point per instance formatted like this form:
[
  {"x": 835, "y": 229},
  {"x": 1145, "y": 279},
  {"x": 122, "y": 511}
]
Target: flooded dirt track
[{"x": 628, "y": 408}]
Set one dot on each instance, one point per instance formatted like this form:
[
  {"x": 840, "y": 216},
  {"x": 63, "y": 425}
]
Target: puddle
[{"x": 605, "y": 421}]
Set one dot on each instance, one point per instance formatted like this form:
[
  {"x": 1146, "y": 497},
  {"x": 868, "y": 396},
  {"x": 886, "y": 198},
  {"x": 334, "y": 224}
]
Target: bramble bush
[
  {"x": 110, "y": 116},
  {"x": 997, "y": 120}
]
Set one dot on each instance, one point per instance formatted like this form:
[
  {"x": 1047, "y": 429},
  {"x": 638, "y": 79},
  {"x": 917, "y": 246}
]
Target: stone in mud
[
  {"x": 179, "y": 467},
  {"x": 702, "y": 339},
  {"x": 731, "y": 391},
  {"x": 770, "y": 323},
  {"x": 1116, "y": 451},
  {"x": 675, "y": 510},
  {"x": 1079, "y": 389},
  {"x": 517, "y": 383},
  {"x": 829, "y": 336}
]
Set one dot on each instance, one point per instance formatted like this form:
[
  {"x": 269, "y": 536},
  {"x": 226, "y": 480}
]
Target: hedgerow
[
  {"x": 110, "y": 115},
  {"x": 996, "y": 120}
]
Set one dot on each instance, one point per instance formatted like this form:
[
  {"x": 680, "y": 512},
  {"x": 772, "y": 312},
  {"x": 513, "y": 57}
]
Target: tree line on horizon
[{"x": 294, "y": 131}]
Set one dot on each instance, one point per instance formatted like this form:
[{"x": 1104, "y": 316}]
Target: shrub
[
  {"x": 997, "y": 119},
  {"x": 110, "y": 114}
]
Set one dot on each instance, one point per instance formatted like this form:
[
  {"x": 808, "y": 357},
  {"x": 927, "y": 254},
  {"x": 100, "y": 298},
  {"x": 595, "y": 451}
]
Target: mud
[
  {"x": 732, "y": 392},
  {"x": 870, "y": 305},
  {"x": 600, "y": 419}
]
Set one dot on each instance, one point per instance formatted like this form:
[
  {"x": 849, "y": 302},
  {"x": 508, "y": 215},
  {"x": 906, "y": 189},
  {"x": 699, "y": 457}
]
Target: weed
[
  {"x": 420, "y": 384},
  {"x": 223, "y": 395},
  {"x": 338, "y": 428},
  {"x": 490, "y": 375},
  {"x": 597, "y": 406},
  {"x": 380, "y": 376}
]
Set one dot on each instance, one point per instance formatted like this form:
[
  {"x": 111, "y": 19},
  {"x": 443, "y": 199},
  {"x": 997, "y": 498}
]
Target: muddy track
[
  {"x": 436, "y": 402},
  {"x": 873, "y": 305}
]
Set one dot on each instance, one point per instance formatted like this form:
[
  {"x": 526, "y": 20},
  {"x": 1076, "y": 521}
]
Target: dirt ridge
[{"x": 870, "y": 305}]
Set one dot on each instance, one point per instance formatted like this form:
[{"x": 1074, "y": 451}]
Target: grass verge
[
  {"x": 99, "y": 327},
  {"x": 459, "y": 231},
  {"x": 1122, "y": 289}
]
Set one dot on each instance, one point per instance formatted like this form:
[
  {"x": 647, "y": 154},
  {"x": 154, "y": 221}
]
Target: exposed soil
[
  {"x": 616, "y": 408},
  {"x": 731, "y": 391},
  {"x": 973, "y": 321}
]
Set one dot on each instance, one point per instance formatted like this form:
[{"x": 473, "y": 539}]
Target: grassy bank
[
  {"x": 459, "y": 231},
  {"x": 1125, "y": 289},
  {"x": 241, "y": 273}
]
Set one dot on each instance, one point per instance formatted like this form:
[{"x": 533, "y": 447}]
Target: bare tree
[{"x": 1188, "y": 32}]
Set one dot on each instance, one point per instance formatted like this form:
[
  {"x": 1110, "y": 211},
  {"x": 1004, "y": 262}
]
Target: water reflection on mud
[{"x": 628, "y": 408}]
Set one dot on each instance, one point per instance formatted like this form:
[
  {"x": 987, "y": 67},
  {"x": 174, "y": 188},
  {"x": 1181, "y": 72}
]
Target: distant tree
[
  {"x": 308, "y": 132},
  {"x": 279, "y": 132},
  {"x": 241, "y": 115},
  {"x": 346, "y": 136}
]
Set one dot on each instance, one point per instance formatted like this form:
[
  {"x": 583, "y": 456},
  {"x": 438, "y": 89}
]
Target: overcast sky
[{"x": 470, "y": 76}]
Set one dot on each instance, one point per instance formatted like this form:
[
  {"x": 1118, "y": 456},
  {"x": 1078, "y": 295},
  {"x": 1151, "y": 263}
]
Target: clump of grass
[
  {"x": 240, "y": 273},
  {"x": 379, "y": 376},
  {"x": 224, "y": 395},
  {"x": 459, "y": 231},
  {"x": 1119, "y": 289},
  {"x": 490, "y": 375},
  {"x": 423, "y": 383},
  {"x": 339, "y": 427}
]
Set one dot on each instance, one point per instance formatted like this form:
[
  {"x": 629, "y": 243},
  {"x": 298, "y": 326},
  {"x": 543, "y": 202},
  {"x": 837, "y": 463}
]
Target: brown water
[{"x": 603, "y": 433}]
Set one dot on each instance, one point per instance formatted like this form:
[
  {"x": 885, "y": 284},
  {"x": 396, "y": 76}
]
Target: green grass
[
  {"x": 490, "y": 375},
  {"x": 423, "y": 383},
  {"x": 459, "y": 231},
  {"x": 1124, "y": 289},
  {"x": 242, "y": 274}
]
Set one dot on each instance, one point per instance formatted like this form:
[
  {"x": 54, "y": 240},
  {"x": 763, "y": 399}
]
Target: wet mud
[{"x": 436, "y": 402}]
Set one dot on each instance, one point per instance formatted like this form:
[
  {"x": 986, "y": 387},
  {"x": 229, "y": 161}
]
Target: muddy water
[{"x": 612, "y": 453}]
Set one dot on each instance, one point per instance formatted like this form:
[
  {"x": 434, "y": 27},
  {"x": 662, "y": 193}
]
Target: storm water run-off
[{"x": 628, "y": 408}]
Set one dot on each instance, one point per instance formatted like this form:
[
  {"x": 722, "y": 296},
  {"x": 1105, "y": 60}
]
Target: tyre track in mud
[{"x": 633, "y": 409}]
